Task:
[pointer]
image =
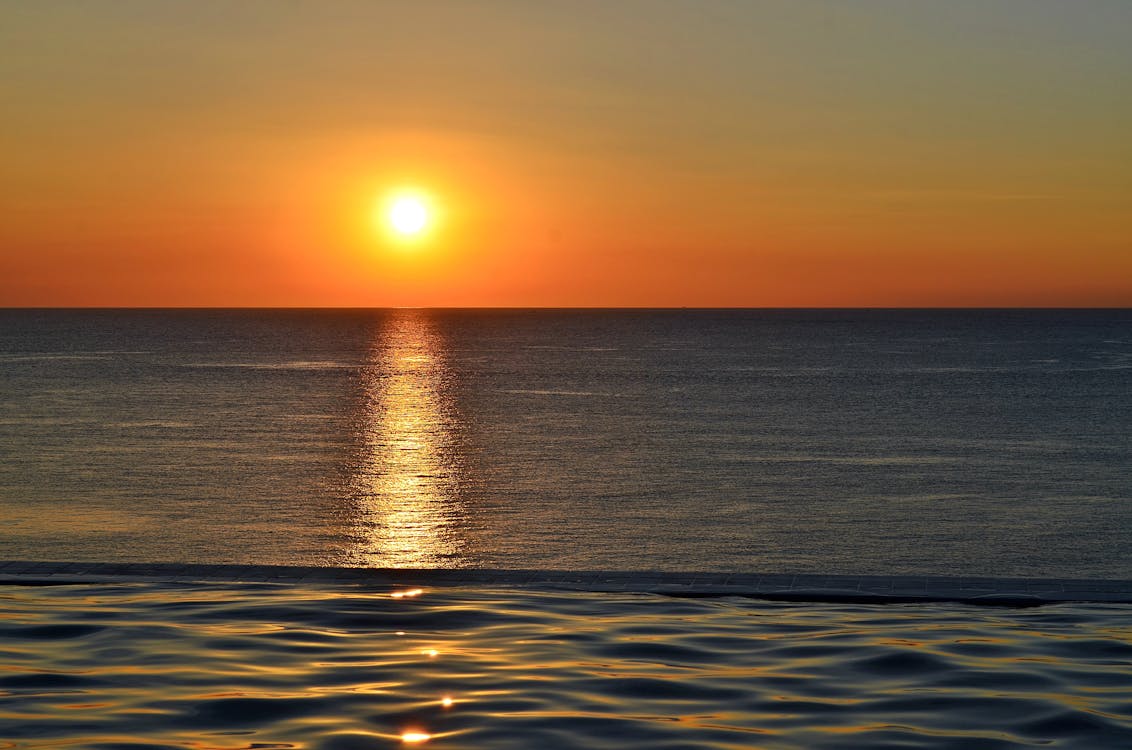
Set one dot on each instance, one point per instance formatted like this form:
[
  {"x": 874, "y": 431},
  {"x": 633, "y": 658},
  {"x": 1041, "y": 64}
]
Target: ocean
[
  {"x": 981, "y": 442},
  {"x": 241, "y": 666}
]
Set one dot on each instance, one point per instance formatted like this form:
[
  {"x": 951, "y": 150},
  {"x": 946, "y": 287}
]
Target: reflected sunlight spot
[
  {"x": 409, "y": 593},
  {"x": 415, "y": 736},
  {"x": 446, "y": 701},
  {"x": 430, "y": 653}
]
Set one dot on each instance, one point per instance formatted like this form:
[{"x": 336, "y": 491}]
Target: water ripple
[{"x": 245, "y": 666}]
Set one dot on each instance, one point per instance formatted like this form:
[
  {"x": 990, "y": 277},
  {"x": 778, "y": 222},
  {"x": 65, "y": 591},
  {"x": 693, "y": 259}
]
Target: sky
[{"x": 861, "y": 153}]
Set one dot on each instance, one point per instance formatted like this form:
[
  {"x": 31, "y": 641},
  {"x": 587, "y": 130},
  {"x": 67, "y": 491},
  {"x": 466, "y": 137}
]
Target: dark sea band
[{"x": 770, "y": 586}]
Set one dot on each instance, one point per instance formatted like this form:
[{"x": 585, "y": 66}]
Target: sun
[{"x": 407, "y": 215}]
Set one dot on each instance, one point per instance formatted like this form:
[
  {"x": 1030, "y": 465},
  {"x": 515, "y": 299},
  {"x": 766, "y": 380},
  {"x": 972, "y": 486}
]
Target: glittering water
[
  {"x": 260, "y": 666},
  {"x": 976, "y": 442}
]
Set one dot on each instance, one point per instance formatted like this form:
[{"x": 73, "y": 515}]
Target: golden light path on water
[{"x": 406, "y": 483}]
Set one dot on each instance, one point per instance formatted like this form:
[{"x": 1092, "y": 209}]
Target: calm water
[
  {"x": 810, "y": 441},
  {"x": 245, "y": 666}
]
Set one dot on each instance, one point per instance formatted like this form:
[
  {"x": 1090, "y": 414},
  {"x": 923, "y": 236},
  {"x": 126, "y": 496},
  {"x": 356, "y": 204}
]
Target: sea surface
[
  {"x": 837, "y": 441},
  {"x": 243, "y": 666}
]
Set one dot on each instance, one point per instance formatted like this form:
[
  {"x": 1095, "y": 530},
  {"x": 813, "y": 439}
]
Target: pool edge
[{"x": 981, "y": 590}]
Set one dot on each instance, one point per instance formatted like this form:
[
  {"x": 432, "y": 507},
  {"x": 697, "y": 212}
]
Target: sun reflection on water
[{"x": 406, "y": 483}]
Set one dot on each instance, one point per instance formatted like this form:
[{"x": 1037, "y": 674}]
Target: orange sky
[{"x": 579, "y": 154}]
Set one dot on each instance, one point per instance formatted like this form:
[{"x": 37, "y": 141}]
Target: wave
[
  {"x": 551, "y": 392},
  {"x": 268, "y": 666},
  {"x": 293, "y": 365},
  {"x": 8, "y": 358}
]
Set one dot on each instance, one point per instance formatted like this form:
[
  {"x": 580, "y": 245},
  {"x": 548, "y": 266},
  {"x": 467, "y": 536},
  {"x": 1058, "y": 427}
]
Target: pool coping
[{"x": 801, "y": 587}]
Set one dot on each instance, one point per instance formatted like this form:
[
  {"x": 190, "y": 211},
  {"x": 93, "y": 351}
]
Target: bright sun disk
[{"x": 408, "y": 215}]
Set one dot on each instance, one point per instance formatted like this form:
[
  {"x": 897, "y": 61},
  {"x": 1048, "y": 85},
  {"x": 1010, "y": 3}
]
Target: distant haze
[{"x": 965, "y": 153}]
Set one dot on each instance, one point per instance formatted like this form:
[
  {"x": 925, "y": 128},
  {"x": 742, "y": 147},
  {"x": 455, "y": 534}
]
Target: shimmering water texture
[
  {"x": 990, "y": 443},
  {"x": 265, "y": 666}
]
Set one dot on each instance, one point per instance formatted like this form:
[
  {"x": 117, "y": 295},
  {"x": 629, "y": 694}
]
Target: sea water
[
  {"x": 962, "y": 441},
  {"x": 242, "y": 666}
]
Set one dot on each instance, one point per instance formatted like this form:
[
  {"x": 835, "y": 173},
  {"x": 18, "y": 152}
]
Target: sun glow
[{"x": 407, "y": 215}]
